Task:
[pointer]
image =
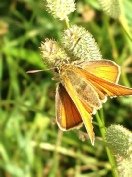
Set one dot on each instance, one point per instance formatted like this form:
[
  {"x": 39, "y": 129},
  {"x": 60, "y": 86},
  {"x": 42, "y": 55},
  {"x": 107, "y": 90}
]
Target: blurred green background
[{"x": 31, "y": 144}]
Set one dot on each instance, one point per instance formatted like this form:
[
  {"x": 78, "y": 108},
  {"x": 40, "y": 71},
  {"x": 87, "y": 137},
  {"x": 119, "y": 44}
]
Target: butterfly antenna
[{"x": 37, "y": 71}]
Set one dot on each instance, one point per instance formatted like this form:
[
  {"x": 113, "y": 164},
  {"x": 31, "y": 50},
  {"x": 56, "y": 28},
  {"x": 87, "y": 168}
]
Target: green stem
[
  {"x": 110, "y": 157},
  {"x": 123, "y": 21},
  {"x": 67, "y": 23},
  {"x": 124, "y": 79},
  {"x": 55, "y": 161}
]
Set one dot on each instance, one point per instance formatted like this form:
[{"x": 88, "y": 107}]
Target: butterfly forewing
[
  {"x": 104, "y": 69},
  {"x": 105, "y": 86}
]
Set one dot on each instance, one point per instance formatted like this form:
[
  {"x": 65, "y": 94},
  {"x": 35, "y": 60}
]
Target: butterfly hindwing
[
  {"x": 68, "y": 116},
  {"x": 83, "y": 88}
]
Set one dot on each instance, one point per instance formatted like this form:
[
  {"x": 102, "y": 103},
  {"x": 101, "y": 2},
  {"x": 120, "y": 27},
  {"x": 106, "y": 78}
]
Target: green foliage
[{"x": 31, "y": 144}]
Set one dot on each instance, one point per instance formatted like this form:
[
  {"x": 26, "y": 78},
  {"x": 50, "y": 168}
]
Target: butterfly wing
[
  {"x": 104, "y": 69},
  {"x": 112, "y": 89},
  {"x": 68, "y": 116},
  {"x": 105, "y": 86},
  {"x": 83, "y": 109},
  {"x": 85, "y": 91}
]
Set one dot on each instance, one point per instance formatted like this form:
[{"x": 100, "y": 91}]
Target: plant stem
[
  {"x": 67, "y": 23},
  {"x": 110, "y": 157}
]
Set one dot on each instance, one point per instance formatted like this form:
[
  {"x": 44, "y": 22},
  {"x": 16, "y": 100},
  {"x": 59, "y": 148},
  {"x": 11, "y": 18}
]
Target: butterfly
[{"x": 83, "y": 88}]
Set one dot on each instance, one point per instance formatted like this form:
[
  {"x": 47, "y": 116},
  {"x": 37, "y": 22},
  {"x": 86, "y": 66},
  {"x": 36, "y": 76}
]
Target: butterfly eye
[{"x": 57, "y": 70}]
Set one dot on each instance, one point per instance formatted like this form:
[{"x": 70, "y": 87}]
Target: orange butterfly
[{"x": 83, "y": 87}]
